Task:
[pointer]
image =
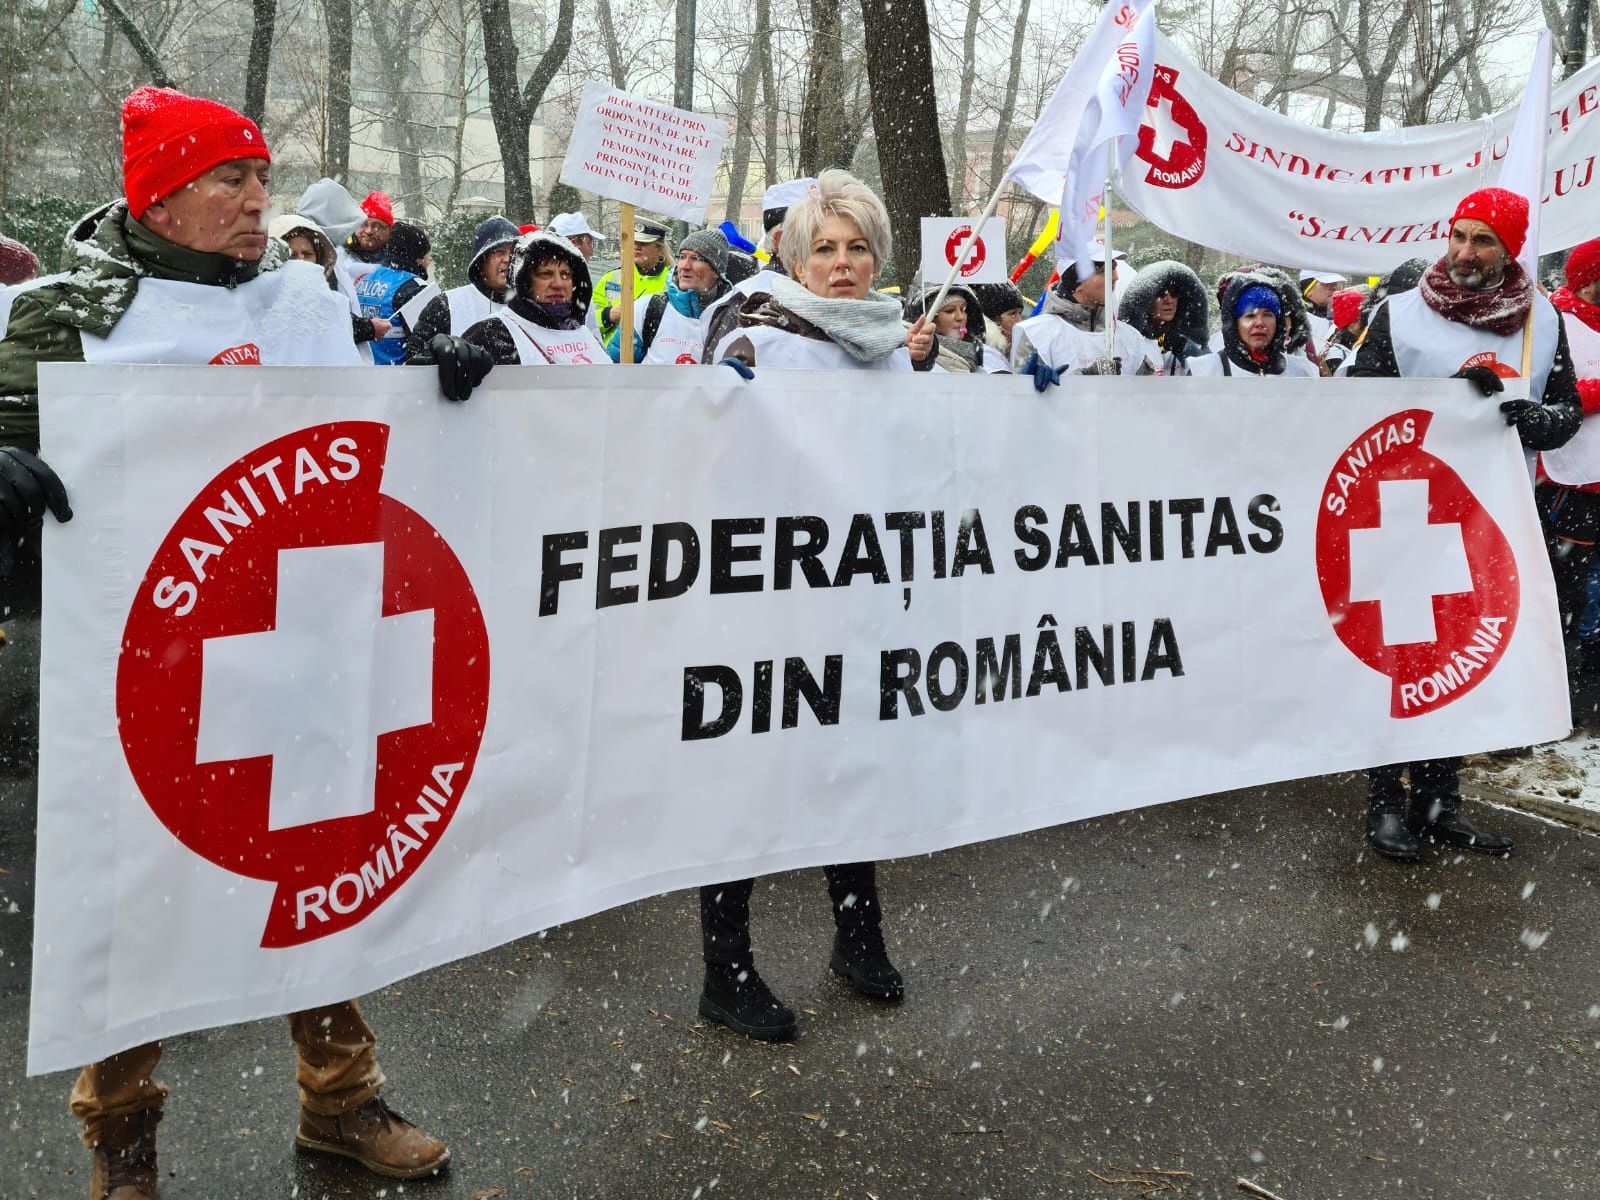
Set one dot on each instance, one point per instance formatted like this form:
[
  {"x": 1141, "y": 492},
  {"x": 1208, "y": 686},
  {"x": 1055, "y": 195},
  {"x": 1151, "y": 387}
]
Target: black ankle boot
[
  {"x": 860, "y": 957},
  {"x": 1387, "y": 832},
  {"x": 1386, "y": 814},
  {"x": 737, "y": 996},
  {"x": 1439, "y": 821}
]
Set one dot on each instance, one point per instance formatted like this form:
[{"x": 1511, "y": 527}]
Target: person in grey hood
[
  {"x": 336, "y": 213},
  {"x": 1166, "y": 302}
]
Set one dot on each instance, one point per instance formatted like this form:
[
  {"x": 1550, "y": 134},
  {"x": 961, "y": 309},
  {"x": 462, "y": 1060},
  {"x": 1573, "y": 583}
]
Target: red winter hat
[
  {"x": 18, "y": 264},
  {"x": 169, "y": 140},
  {"x": 1345, "y": 305},
  {"x": 1502, "y": 211},
  {"x": 527, "y": 229},
  {"x": 1583, "y": 265},
  {"x": 379, "y": 207}
]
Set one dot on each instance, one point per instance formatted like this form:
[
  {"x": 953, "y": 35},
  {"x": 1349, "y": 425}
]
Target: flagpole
[
  {"x": 968, "y": 248},
  {"x": 1110, "y": 263}
]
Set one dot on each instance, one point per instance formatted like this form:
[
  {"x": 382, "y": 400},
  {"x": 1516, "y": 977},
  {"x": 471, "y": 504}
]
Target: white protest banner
[
  {"x": 944, "y": 239},
  {"x": 1216, "y": 168},
  {"x": 341, "y": 682},
  {"x": 639, "y": 152}
]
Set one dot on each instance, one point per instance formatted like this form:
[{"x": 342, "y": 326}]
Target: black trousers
[
  {"x": 1433, "y": 780},
  {"x": 725, "y": 911},
  {"x": 1572, "y": 527}
]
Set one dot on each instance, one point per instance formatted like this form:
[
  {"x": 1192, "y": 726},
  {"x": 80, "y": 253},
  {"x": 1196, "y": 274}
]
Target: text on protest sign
[
  {"x": 349, "y": 683},
  {"x": 639, "y": 152}
]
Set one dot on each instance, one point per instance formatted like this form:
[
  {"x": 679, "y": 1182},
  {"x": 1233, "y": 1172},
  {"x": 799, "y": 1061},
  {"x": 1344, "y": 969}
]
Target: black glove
[
  {"x": 462, "y": 366},
  {"x": 1102, "y": 366},
  {"x": 1043, "y": 374},
  {"x": 1482, "y": 378},
  {"x": 27, "y": 488},
  {"x": 741, "y": 367},
  {"x": 1536, "y": 424}
]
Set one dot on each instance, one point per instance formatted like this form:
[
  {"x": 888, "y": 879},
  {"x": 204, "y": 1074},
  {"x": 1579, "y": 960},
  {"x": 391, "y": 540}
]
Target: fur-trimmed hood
[
  {"x": 541, "y": 244},
  {"x": 1193, "y": 319}
]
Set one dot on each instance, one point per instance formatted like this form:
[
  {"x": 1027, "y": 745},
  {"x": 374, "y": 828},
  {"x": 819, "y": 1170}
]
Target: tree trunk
[
  {"x": 341, "y": 36},
  {"x": 458, "y": 137},
  {"x": 958, "y": 127},
  {"x": 905, "y": 121},
  {"x": 1001, "y": 157},
  {"x": 608, "y": 36},
  {"x": 159, "y": 75},
  {"x": 769, "y": 92},
  {"x": 395, "y": 29},
  {"x": 825, "y": 139},
  {"x": 512, "y": 105},
  {"x": 1576, "y": 37},
  {"x": 744, "y": 117},
  {"x": 264, "y": 17}
]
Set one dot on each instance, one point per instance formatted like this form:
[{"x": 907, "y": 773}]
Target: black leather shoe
[
  {"x": 740, "y": 999},
  {"x": 1387, "y": 832},
  {"x": 1450, "y": 828},
  {"x": 863, "y": 960}
]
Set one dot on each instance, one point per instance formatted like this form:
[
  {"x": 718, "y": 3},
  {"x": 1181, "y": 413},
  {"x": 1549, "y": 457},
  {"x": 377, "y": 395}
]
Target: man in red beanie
[
  {"x": 189, "y": 236},
  {"x": 1466, "y": 320},
  {"x": 371, "y": 237},
  {"x": 1572, "y": 506}
]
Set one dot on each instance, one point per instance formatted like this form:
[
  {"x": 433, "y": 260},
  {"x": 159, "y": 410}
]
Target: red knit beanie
[
  {"x": 1502, "y": 211},
  {"x": 1583, "y": 265},
  {"x": 18, "y": 264},
  {"x": 169, "y": 140},
  {"x": 379, "y": 207},
  {"x": 1345, "y": 306}
]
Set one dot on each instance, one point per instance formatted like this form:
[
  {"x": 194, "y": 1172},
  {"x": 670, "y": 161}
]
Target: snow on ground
[{"x": 1566, "y": 772}]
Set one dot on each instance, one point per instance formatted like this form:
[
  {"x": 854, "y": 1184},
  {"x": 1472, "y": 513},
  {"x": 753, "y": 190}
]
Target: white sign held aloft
[
  {"x": 944, "y": 239},
  {"x": 640, "y": 152}
]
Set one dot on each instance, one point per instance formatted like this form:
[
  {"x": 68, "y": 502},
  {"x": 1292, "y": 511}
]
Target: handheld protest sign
[
  {"x": 981, "y": 252},
  {"x": 636, "y": 151}
]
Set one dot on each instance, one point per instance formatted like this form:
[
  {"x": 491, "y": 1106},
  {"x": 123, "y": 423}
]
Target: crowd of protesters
[{"x": 338, "y": 281}]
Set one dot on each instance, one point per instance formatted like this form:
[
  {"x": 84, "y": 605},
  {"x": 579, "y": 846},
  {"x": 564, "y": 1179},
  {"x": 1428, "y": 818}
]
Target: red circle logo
[
  {"x": 956, "y": 242},
  {"x": 1420, "y": 582},
  {"x": 304, "y": 679},
  {"x": 686, "y": 359},
  {"x": 1172, "y": 139}
]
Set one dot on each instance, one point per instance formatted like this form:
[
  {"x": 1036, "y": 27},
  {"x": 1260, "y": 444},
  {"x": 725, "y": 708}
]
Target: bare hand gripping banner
[{"x": 341, "y": 682}]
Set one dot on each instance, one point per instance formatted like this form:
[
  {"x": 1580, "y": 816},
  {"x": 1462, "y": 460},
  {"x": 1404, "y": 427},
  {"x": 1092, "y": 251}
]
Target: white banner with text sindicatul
[
  {"x": 1219, "y": 169},
  {"x": 342, "y": 682},
  {"x": 637, "y": 151}
]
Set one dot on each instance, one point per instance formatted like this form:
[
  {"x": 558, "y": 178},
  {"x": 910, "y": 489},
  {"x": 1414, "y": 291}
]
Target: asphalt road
[{"x": 1221, "y": 988}]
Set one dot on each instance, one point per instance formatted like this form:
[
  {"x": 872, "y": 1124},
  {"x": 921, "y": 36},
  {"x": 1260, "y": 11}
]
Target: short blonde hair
[{"x": 837, "y": 194}]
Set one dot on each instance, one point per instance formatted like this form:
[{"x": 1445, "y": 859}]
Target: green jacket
[
  {"x": 609, "y": 291},
  {"x": 103, "y": 260}
]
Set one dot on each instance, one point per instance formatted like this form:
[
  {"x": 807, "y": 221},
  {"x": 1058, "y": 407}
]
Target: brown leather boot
[
  {"x": 377, "y": 1137},
  {"x": 125, "y": 1159}
]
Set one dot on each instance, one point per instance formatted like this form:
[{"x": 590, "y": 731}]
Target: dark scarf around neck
[{"x": 1501, "y": 310}]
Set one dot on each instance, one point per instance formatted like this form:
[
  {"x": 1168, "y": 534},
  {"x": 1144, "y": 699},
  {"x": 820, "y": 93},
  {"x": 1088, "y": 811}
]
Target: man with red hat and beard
[
  {"x": 1465, "y": 320},
  {"x": 189, "y": 238}
]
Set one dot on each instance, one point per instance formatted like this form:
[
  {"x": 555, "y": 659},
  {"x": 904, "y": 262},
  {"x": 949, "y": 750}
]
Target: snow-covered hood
[
  {"x": 1192, "y": 319},
  {"x": 536, "y": 245}
]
